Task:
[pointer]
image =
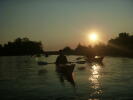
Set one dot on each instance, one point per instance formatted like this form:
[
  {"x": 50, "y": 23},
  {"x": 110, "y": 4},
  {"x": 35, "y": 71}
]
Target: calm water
[{"x": 21, "y": 78}]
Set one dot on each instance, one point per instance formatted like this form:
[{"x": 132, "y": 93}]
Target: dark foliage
[
  {"x": 119, "y": 46},
  {"x": 21, "y": 46}
]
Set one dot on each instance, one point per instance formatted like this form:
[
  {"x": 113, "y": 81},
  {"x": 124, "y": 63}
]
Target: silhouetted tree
[
  {"x": 100, "y": 49},
  {"x": 121, "y": 45},
  {"x": 83, "y": 50},
  {"x": 1, "y": 49},
  {"x": 68, "y": 50},
  {"x": 123, "y": 35},
  {"x": 22, "y": 46}
]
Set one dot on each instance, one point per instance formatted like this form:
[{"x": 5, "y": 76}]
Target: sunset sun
[{"x": 93, "y": 37}]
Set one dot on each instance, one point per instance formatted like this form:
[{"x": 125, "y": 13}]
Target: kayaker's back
[{"x": 61, "y": 59}]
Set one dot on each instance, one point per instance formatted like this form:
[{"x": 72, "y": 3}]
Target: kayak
[
  {"x": 65, "y": 72},
  {"x": 65, "y": 68},
  {"x": 95, "y": 59}
]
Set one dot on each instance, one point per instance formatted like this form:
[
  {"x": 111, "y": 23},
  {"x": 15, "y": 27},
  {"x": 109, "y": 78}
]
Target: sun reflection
[
  {"x": 94, "y": 79},
  {"x": 93, "y": 99},
  {"x": 95, "y": 73}
]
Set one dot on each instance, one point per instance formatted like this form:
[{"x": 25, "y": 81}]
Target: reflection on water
[
  {"x": 42, "y": 72},
  {"x": 94, "y": 79},
  {"x": 22, "y": 78}
]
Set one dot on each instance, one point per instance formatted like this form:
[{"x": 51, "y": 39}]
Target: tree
[
  {"x": 123, "y": 35},
  {"x": 121, "y": 45},
  {"x": 22, "y": 46}
]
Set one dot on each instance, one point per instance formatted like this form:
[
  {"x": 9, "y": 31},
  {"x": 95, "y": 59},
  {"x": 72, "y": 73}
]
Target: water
[{"x": 21, "y": 78}]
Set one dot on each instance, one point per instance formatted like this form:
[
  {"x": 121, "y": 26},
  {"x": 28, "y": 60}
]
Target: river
[{"x": 21, "y": 78}]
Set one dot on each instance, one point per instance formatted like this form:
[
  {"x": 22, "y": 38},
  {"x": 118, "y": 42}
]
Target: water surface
[{"x": 21, "y": 78}]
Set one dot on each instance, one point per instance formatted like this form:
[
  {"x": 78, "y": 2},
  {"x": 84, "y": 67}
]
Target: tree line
[
  {"x": 122, "y": 45},
  {"x": 21, "y": 46}
]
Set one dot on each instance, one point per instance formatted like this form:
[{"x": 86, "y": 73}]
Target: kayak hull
[
  {"x": 99, "y": 59},
  {"x": 65, "y": 72},
  {"x": 65, "y": 68}
]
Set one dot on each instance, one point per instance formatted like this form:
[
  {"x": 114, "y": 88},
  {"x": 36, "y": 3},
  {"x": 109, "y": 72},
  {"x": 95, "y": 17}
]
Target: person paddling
[{"x": 61, "y": 59}]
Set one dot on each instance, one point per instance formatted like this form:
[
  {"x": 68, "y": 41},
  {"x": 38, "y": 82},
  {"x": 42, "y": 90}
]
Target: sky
[{"x": 60, "y": 23}]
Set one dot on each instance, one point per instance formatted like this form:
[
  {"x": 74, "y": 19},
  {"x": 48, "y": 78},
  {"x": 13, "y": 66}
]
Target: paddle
[{"x": 46, "y": 63}]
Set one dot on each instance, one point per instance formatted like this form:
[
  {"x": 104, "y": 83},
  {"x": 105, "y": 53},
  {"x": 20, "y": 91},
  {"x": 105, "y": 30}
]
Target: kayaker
[{"x": 61, "y": 59}]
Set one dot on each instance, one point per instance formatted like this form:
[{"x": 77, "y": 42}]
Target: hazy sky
[{"x": 60, "y": 23}]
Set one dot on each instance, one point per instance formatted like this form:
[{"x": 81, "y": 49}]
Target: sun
[{"x": 93, "y": 36}]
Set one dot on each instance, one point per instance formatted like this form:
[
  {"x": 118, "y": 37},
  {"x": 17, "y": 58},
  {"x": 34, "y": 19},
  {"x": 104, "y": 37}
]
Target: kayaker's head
[{"x": 61, "y": 52}]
